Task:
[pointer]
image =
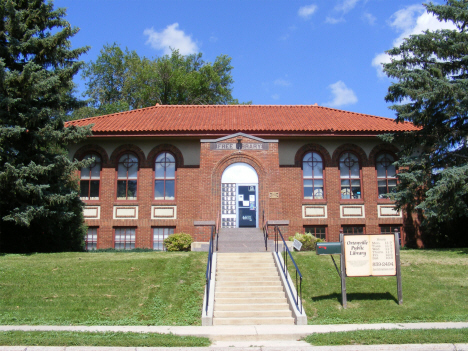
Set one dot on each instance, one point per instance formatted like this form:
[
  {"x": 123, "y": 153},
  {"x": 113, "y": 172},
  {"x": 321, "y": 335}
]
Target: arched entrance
[{"x": 239, "y": 196}]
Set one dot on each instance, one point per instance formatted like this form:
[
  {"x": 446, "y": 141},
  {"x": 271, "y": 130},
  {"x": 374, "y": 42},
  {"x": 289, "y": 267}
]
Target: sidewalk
[
  {"x": 241, "y": 332},
  {"x": 251, "y": 337},
  {"x": 415, "y": 347}
]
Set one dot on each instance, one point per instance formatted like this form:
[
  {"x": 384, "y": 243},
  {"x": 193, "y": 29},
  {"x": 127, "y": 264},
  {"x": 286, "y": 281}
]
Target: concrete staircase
[{"x": 249, "y": 291}]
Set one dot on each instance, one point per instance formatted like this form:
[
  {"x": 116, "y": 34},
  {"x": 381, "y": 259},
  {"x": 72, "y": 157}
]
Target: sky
[{"x": 327, "y": 52}]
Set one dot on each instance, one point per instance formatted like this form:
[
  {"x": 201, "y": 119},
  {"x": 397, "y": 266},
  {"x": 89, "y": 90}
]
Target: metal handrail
[
  {"x": 214, "y": 231},
  {"x": 265, "y": 231},
  {"x": 209, "y": 267},
  {"x": 218, "y": 221},
  {"x": 284, "y": 268}
]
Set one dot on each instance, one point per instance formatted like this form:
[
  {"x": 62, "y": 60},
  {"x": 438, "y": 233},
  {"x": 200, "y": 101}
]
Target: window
[
  {"x": 91, "y": 239},
  {"x": 159, "y": 234},
  {"x": 164, "y": 172},
  {"x": 386, "y": 174},
  {"x": 127, "y": 177},
  {"x": 317, "y": 231},
  {"x": 90, "y": 178},
  {"x": 312, "y": 173},
  {"x": 124, "y": 238},
  {"x": 389, "y": 229},
  {"x": 353, "y": 230},
  {"x": 350, "y": 176}
]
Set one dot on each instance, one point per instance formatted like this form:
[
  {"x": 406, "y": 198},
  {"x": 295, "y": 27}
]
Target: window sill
[
  {"x": 92, "y": 202},
  {"x": 352, "y": 201},
  {"x": 126, "y": 202},
  {"x": 164, "y": 202},
  {"x": 385, "y": 201},
  {"x": 314, "y": 202}
]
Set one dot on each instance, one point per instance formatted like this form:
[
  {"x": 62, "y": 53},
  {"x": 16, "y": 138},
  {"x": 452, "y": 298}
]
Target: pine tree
[
  {"x": 39, "y": 205},
  {"x": 431, "y": 90}
]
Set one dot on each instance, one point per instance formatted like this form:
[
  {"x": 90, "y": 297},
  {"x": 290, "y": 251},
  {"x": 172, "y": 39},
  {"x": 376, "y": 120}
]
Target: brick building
[{"x": 159, "y": 169}]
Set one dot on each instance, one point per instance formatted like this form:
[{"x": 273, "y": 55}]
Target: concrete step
[
  {"x": 253, "y": 300},
  {"x": 249, "y": 255},
  {"x": 233, "y": 283},
  {"x": 245, "y": 294},
  {"x": 251, "y": 307},
  {"x": 244, "y": 259},
  {"x": 231, "y": 271},
  {"x": 252, "y": 314},
  {"x": 253, "y": 321},
  {"x": 247, "y": 268},
  {"x": 246, "y": 278},
  {"x": 248, "y": 288}
]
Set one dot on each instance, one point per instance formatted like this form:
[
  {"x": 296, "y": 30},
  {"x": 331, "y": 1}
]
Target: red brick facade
[{"x": 198, "y": 190}]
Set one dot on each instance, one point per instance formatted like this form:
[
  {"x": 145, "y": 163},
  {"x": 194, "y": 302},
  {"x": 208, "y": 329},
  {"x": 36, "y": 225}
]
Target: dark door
[{"x": 247, "y": 205}]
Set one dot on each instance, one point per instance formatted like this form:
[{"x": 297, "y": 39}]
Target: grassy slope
[
  {"x": 159, "y": 288},
  {"x": 435, "y": 288},
  {"x": 151, "y": 288}
]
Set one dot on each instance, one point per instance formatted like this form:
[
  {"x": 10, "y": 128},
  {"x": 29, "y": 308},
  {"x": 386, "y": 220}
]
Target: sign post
[
  {"x": 374, "y": 255},
  {"x": 344, "y": 299},
  {"x": 398, "y": 268}
]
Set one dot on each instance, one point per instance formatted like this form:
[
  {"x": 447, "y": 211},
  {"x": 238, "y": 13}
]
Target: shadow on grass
[{"x": 357, "y": 297}]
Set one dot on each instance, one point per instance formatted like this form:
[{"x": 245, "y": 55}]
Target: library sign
[
  {"x": 370, "y": 255},
  {"x": 374, "y": 255}
]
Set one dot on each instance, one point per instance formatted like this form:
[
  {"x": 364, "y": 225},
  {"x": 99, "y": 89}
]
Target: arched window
[
  {"x": 164, "y": 173},
  {"x": 386, "y": 174},
  {"x": 350, "y": 176},
  {"x": 90, "y": 178},
  {"x": 312, "y": 175},
  {"x": 127, "y": 175}
]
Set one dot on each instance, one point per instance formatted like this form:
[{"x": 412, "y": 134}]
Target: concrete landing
[{"x": 242, "y": 240}]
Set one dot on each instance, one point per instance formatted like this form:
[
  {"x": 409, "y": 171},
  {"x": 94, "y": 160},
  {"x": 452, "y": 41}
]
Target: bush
[
  {"x": 178, "y": 242},
  {"x": 308, "y": 241}
]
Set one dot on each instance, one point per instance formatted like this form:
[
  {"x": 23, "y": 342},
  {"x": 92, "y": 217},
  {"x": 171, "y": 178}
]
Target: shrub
[
  {"x": 178, "y": 242},
  {"x": 308, "y": 241}
]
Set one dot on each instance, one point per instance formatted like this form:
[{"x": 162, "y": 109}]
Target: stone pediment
[
  {"x": 239, "y": 141},
  {"x": 236, "y": 135}
]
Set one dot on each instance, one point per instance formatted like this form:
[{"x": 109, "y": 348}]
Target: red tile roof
[{"x": 253, "y": 119}]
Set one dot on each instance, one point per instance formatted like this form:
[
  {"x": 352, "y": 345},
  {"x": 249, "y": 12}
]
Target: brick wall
[{"x": 198, "y": 191}]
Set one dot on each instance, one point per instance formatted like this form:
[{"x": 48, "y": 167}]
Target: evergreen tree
[
  {"x": 39, "y": 205},
  {"x": 431, "y": 90}
]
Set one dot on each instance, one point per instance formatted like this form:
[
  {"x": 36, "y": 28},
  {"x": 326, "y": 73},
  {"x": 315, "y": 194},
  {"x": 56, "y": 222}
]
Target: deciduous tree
[{"x": 121, "y": 80}]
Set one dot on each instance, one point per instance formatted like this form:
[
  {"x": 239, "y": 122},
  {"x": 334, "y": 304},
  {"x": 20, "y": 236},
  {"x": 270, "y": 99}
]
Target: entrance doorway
[{"x": 239, "y": 197}]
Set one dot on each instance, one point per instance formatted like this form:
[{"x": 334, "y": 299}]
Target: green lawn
[
  {"x": 99, "y": 339},
  {"x": 161, "y": 288},
  {"x": 378, "y": 337},
  {"x": 435, "y": 288},
  {"x": 108, "y": 288}
]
